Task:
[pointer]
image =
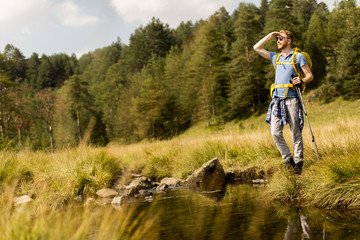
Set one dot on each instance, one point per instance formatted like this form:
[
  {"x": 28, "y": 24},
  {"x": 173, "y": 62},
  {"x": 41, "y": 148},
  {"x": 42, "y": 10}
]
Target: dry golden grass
[{"x": 54, "y": 179}]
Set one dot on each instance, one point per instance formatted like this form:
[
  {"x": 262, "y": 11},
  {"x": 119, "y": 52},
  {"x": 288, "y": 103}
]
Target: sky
[{"x": 79, "y": 26}]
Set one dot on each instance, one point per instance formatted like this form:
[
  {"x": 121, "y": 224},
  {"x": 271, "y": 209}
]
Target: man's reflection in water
[{"x": 292, "y": 230}]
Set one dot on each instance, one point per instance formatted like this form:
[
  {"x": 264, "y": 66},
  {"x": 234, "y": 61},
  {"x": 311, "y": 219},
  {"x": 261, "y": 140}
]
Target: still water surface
[{"x": 242, "y": 212}]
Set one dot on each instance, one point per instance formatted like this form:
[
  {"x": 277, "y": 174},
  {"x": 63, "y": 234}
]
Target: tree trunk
[
  {"x": 2, "y": 124},
  {"x": 19, "y": 135},
  {"x": 50, "y": 130},
  {"x": 78, "y": 124}
]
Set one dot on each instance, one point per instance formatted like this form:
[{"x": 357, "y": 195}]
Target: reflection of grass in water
[{"x": 41, "y": 221}]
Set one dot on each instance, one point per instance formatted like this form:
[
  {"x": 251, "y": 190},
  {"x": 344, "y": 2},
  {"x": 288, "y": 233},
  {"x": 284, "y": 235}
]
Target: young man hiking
[{"x": 285, "y": 106}]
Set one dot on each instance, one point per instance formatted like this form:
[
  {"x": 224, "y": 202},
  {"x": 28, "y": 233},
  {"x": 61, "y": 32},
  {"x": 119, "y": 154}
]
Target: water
[{"x": 242, "y": 212}]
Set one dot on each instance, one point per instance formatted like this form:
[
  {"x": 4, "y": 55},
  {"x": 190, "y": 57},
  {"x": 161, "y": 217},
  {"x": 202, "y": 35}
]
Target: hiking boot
[
  {"x": 298, "y": 167},
  {"x": 290, "y": 164}
]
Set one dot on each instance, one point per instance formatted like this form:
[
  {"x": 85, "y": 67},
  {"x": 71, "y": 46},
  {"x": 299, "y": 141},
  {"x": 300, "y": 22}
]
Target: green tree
[
  {"x": 46, "y": 74},
  {"x": 17, "y": 63},
  {"x": 114, "y": 85},
  {"x": 280, "y": 16},
  {"x": 316, "y": 44},
  {"x": 183, "y": 33},
  {"x": 32, "y": 71},
  {"x": 79, "y": 102},
  {"x": 246, "y": 69},
  {"x": 155, "y": 39},
  {"x": 45, "y": 101},
  {"x": 339, "y": 21},
  {"x": 207, "y": 69},
  {"x": 264, "y": 8},
  {"x": 348, "y": 70},
  {"x": 147, "y": 108}
]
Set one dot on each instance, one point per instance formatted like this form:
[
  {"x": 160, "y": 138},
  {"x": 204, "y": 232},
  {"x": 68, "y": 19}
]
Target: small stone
[
  {"x": 173, "y": 182},
  {"x": 119, "y": 200},
  {"x": 106, "y": 193},
  {"x": 259, "y": 181},
  {"x": 89, "y": 202},
  {"x": 79, "y": 198},
  {"x": 22, "y": 200}
]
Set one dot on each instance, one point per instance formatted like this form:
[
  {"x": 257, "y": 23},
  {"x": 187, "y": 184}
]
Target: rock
[
  {"x": 172, "y": 182},
  {"x": 259, "y": 181},
  {"x": 22, "y": 200},
  {"x": 210, "y": 176},
  {"x": 162, "y": 187},
  {"x": 143, "y": 193},
  {"x": 120, "y": 187},
  {"x": 136, "y": 185},
  {"x": 119, "y": 200},
  {"x": 243, "y": 175},
  {"x": 79, "y": 198},
  {"x": 106, "y": 193},
  {"x": 90, "y": 201},
  {"x": 149, "y": 199}
]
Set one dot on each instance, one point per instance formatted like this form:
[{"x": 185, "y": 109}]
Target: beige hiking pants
[{"x": 292, "y": 118}]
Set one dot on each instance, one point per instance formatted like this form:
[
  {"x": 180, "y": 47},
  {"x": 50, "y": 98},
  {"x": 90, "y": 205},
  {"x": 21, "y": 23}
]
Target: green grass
[{"x": 53, "y": 179}]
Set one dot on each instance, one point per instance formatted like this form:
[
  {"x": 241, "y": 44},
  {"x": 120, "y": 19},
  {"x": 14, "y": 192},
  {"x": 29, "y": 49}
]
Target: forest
[{"x": 167, "y": 80}]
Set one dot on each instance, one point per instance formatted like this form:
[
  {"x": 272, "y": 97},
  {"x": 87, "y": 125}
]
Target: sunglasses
[{"x": 280, "y": 38}]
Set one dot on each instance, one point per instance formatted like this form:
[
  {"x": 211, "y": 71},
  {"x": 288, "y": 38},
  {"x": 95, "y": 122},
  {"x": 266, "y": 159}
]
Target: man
[{"x": 285, "y": 106}]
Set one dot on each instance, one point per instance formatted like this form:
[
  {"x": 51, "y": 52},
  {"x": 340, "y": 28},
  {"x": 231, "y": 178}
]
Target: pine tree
[
  {"x": 246, "y": 69},
  {"x": 316, "y": 44},
  {"x": 348, "y": 71},
  {"x": 207, "y": 69}
]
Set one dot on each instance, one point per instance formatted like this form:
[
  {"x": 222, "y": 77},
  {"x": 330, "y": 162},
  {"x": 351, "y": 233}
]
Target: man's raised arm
[{"x": 259, "y": 46}]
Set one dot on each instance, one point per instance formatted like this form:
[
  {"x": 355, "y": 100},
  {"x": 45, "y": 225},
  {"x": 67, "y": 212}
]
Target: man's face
[{"x": 282, "y": 41}]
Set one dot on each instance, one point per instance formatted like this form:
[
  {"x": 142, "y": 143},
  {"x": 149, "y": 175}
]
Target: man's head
[{"x": 284, "y": 39}]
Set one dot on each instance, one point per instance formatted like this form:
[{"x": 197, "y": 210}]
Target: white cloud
[
  {"x": 169, "y": 11},
  {"x": 14, "y": 9},
  {"x": 70, "y": 14}
]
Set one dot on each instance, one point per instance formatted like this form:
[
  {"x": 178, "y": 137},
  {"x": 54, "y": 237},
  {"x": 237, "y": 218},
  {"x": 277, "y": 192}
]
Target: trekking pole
[{"x": 298, "y": 90}]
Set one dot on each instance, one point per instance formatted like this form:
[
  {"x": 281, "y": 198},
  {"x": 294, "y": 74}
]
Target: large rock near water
[
  {"x": 138, "y": 184},
  {"x": 209, "y": 177}
]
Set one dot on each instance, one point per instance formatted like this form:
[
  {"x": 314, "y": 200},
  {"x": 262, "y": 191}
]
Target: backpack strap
[
  {"x": 294, "y": 61},
  {"x": 277, "y": 60},
  {"x": 287, "y": 86}
]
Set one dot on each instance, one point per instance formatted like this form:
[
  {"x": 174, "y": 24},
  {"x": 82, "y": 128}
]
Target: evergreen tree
[
  {"x": 280, "y": 17},
  {"x": 45, "y": 74},
  {"x": 16, "y": 63},
  {"x": 79, "y": 102},
  {"x": 348, "y": 71},
  {"x": 316, "y": 44},
  {"x": 183, "y": 33},
  {"x": 114, "y": 85},
  {"x": 153, "y": 39},
  {"x": 46, "y": 100},
  {"x": 264, "y": 8},
  {"x": 32, "y": 71},
  {"x": 147, "y": 108},
  {"x": 209, "y": 60},
  {"x": 246, "y": 69}
]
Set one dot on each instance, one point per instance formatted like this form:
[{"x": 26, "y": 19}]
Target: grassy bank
[
  {"x": 53, "y": 179},
  {"x": 331, "y": 182},
  {"x": 61, "y": 175}
]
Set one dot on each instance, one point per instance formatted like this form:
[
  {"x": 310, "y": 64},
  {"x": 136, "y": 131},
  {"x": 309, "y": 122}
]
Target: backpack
[{"x": 293, "y": 62}]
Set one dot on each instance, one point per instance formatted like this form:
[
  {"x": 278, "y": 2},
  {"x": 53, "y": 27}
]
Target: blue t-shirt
[{"x": 284, "y": 71}]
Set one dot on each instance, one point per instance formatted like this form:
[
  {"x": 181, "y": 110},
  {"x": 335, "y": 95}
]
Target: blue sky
[{"x": 79, "y": 26}]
